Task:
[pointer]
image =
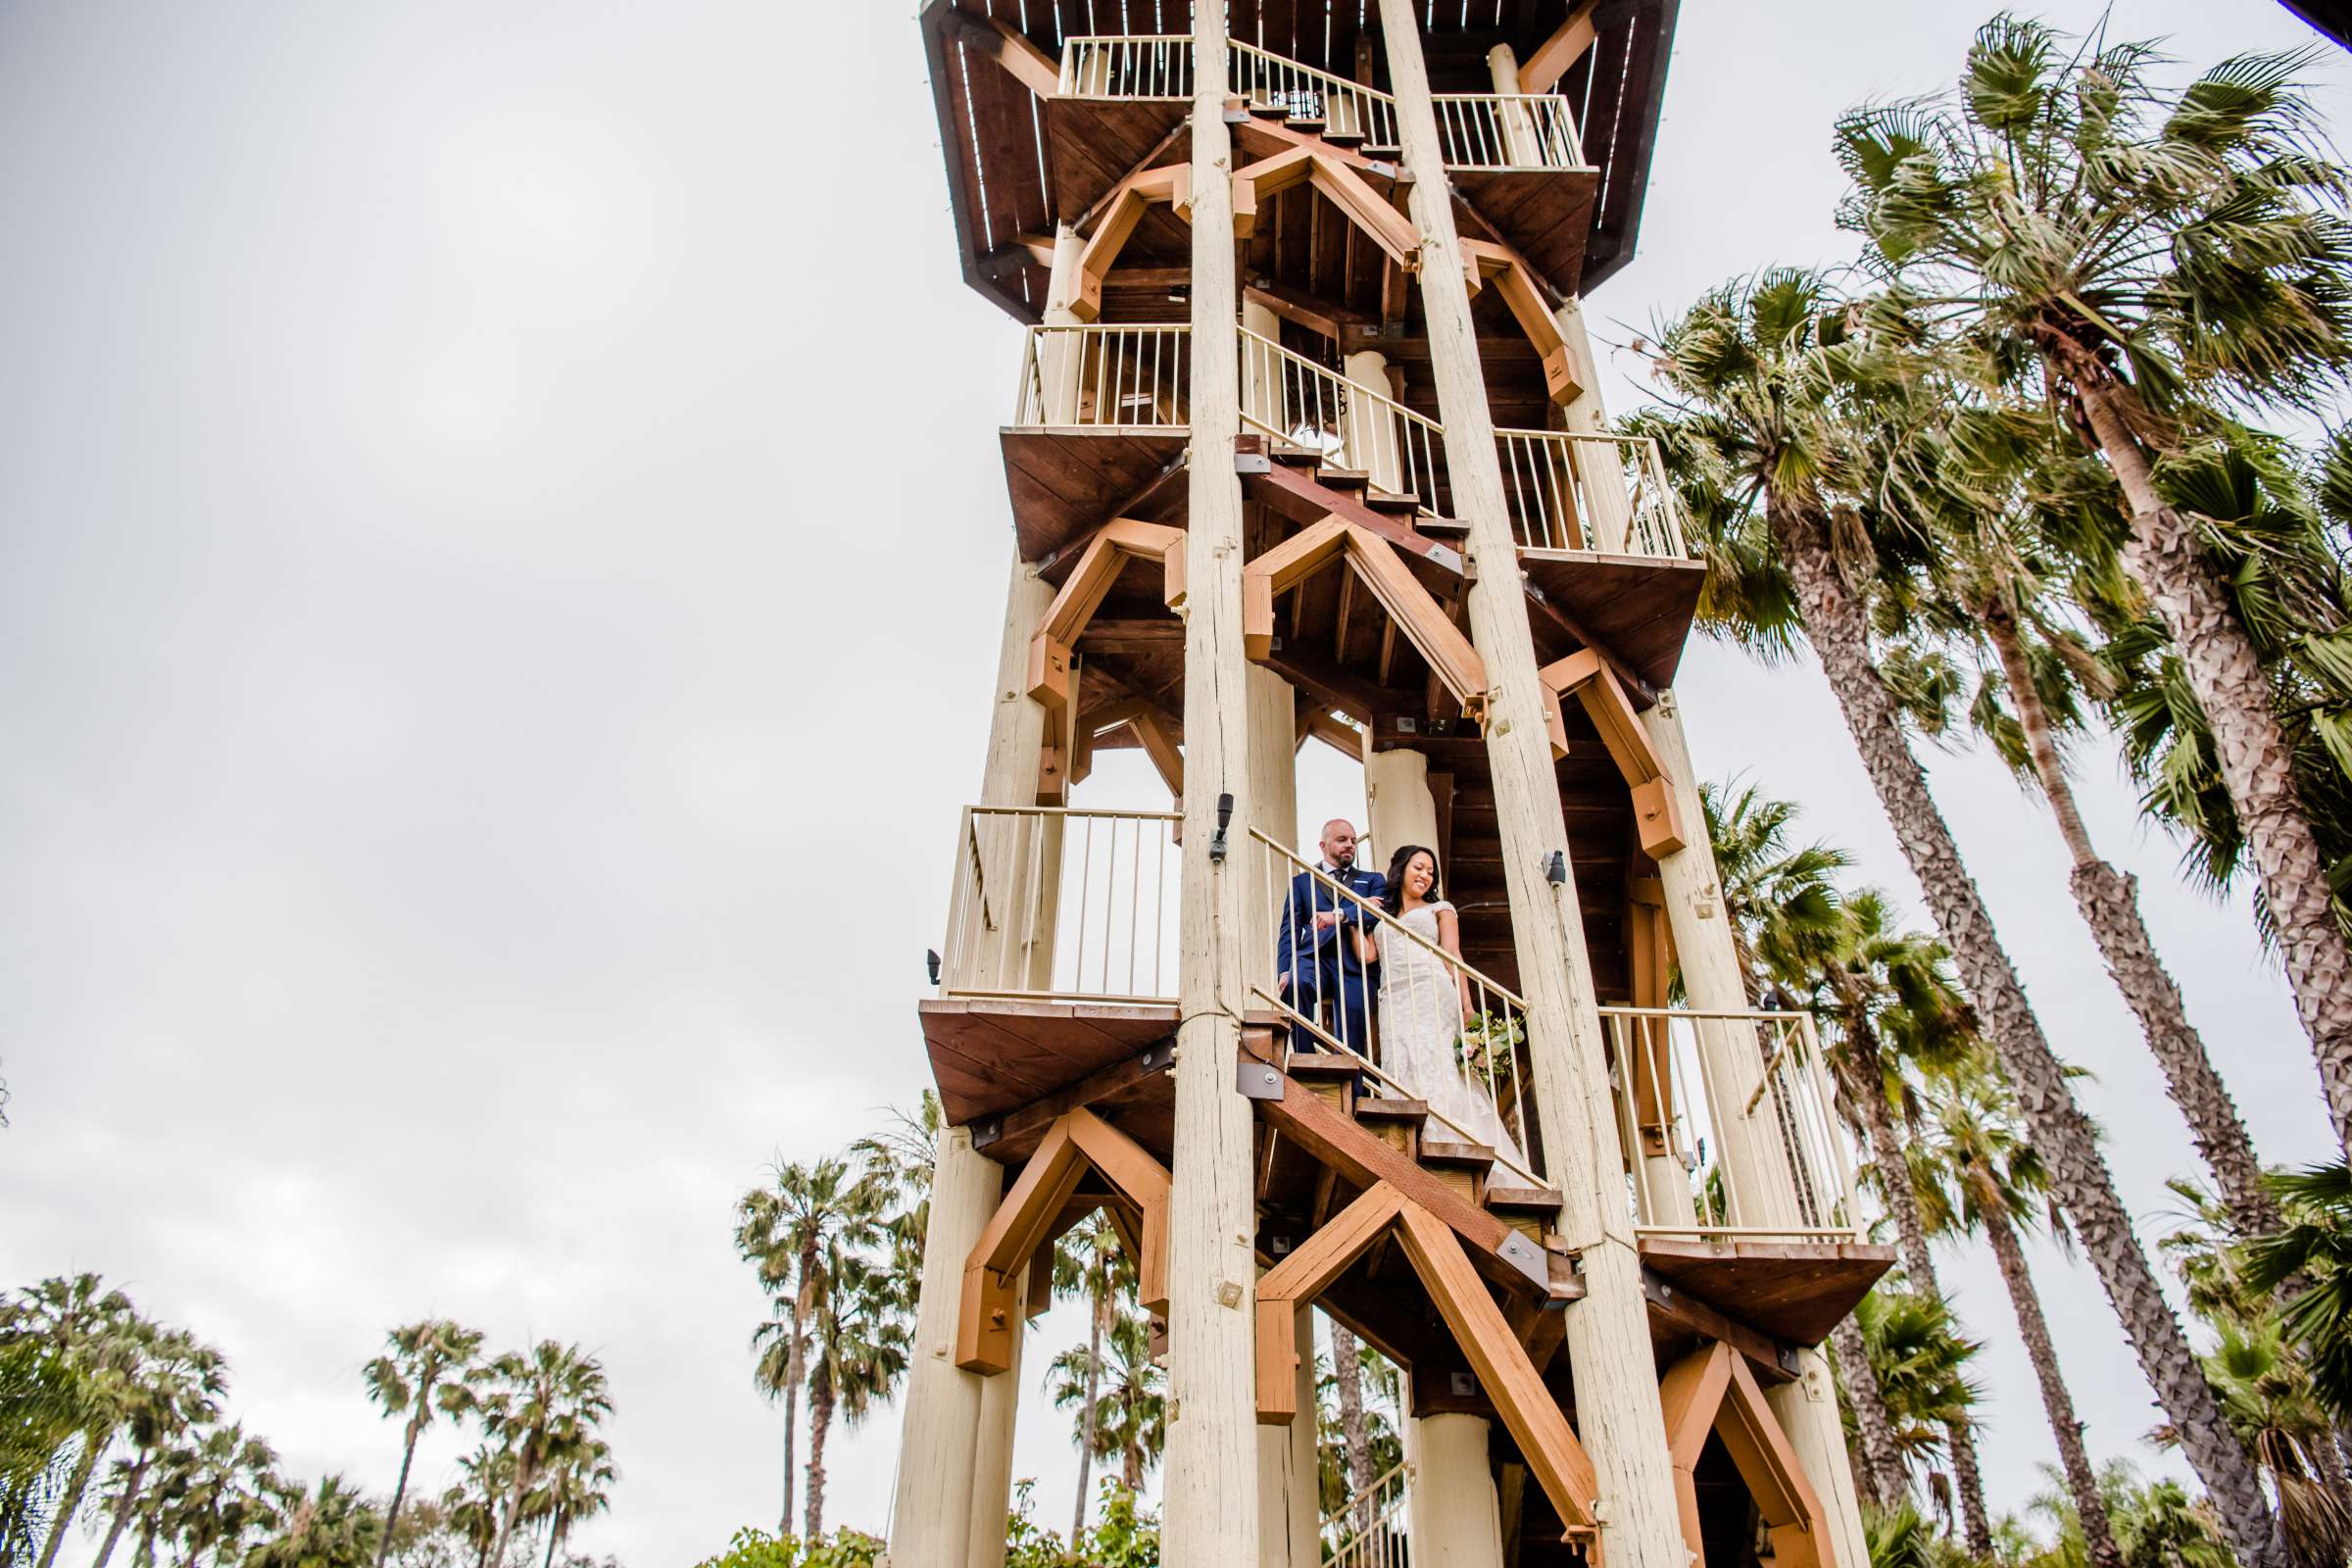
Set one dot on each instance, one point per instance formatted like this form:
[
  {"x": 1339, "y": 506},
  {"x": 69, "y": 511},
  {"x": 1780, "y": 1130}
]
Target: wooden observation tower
[{"x": 1308, "y": 450}]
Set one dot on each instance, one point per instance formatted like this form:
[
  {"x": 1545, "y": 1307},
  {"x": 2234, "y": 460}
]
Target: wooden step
[
  {"x": 1529, "y": 1210},
  {"x": 1395, "y": 1122},
  {"x": 1463, "y": 1167},
  {"x": 1381, "y": 152},
  {"x": 1345, "y": 139},
  {"x": 1342, "y": 478},
  {"x": 1331, "y": 1076},
  {"x": 1264, "y": 109},
  {"x": 1305, "y": 124},
  {"x": 1388, "y": 501},
  {"x": 1296, "y": 456}
]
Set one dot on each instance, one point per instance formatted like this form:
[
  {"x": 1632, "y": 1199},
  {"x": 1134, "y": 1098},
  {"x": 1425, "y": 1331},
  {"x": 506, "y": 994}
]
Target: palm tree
[
  {"x": 535, "y": 1407},
  {"x": 789, "y": 1230},
  {"x": 899, "y": 1161},
  {"x": 861, "y": 1340},
  {"x": 577, "y": 1485},
  {"x": 1344, "y": 1473},
  {"x": 2267, "y": 1397},
  {"x": 1355, "y": 1421},
  {"x": 215, "y": 1492},
  {"x": 1778, "y": 461},
  {"x": 334, "y": 1527},
  {"x": 2316, "y": 1244},
  {"x": 44, "y": 1405},
  {"x": 1920, "y": 1362},
  {"x": 1089, "y": 1263},
  {"x": 1781, "y": 903},
  {"x": 1998, "y": 1185},
  {"x": 2018, "y": 514},
  {"x": 175, "y": 1386},
  {"x": 1886, "y": 997},
  {"x": 474, "y": 1506},
  {"x": 1131, "y": 1421},
  {"x": 94, "y": 1331},
  {"x": 425, "y": 1370},
  {"x": 2140, "y": 251}
]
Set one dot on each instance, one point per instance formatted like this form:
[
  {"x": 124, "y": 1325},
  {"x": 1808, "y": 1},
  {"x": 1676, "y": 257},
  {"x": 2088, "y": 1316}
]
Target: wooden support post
[
  {"x": 1262, "y": 398},
  {"x": 1457, "y": 1518},
  {"x": 1400, "y": 804},
  {"x": 1607, "y": 1333},
  {"x": 1274, "y": 802},
  {"x": 1518, "y": 131},
  {"x": 1374, "y": 443},
  {"x": 955, "y": 1442},
  {"x": 1289, "y": 1472},
  {"x": 1210, "y": 1488}
]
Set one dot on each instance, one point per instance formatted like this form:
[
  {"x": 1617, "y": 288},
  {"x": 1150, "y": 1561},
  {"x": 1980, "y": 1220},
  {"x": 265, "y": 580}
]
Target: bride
[{"x": 1424, "y": 1003}]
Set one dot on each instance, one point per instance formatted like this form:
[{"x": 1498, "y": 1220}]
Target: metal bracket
[
  {"x": 1527, "y": 1257},
  {"x": 1253, "y": 462},
  {"x": 1256, "y": 1080},
  {"x": 987, "y": 1130}
]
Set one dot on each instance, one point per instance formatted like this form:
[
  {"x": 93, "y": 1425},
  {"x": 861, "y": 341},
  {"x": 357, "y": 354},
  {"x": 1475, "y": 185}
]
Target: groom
[{"x": 1316, "y": 964}]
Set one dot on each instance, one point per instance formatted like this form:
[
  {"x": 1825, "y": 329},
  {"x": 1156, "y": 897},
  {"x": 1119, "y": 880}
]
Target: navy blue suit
[{"x": 1322, "y": 965}]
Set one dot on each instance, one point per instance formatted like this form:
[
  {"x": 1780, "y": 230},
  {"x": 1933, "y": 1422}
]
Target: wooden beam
[
  {"x": 1421, "y": 618},
  {"x": 1711, "y": 1393},
  {"x": 1301, "y": 308},
  {"x": 1160, "y": 746},
  {"x": 1171, "y": 183},
  {"x": 1553, "y": 1454},
  {"x": 1543, "y": 69},
  {"x": 1009, "y": 48},
  {"x": 1516, "y": 283},
  {"x": 1343, "y": 186},
  {"x": 1014, "y": 1127},
  {"x": 1595, "y": 686},
  {"x": 1296, "y": 1281},
  {"x": 1082, "y": 591},
  {"x": 1276, "y": 572}
]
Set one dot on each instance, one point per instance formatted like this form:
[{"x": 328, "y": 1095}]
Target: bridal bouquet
[{"x": 1487, "y": 1044}]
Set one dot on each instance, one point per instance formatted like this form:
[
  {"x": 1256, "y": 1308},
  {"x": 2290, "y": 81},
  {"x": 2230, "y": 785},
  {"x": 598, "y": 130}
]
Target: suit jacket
[{"x": 1330, "y": 950}]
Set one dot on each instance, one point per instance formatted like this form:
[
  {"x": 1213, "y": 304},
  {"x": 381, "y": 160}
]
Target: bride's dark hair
[{"x": 1391, "y": 897}]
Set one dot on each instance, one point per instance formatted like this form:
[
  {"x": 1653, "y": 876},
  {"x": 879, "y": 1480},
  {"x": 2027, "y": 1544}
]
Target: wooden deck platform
[
  {"x": 1064, "y": 482},
  {"x": 1640, "y": 606},
  {"x": 1091, "y": 143},
  {"x": 989, "y": 1057},
  {"x": 1545, "y": 214},
  {"x": 1794, "y": 1291}
]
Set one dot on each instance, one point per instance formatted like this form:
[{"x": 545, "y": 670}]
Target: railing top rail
[
  {"x": 1355, "y": 388},
  {"x": 1611, "y": 1010},
  {"x": 1390, "y": 921},
  {"x": 1612, "y": 436},
  {"x": 1074, "y": 810},
  {"x": 1036, "y": 327},
  {"x": 1357, "y": 88}
]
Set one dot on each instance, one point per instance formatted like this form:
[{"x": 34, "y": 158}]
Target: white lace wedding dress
[{"x": 1420, "y": 1022}]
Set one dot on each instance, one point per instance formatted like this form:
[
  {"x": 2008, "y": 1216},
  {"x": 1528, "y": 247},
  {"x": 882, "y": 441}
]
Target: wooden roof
[{"x": 996, "y": 135}]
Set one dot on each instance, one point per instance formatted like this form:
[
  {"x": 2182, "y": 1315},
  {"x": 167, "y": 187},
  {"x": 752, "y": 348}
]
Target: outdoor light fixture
[
  {"x": 1216, "y": 840},
  {"x": 1555, "y": 869},
  {"x": 931, "y": 963}
]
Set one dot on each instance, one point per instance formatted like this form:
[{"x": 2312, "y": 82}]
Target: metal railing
[
  {"x": 1061, "y": 904},
  {"x": 1475, "y": 130},
  {"x": 1726, "y": 1120},
  {"x": 1345, "y": 108},
  {"x": 1369, "y": 1529},
  {"x": 1292, "y": 398},
  {"x": 1127, "y": 66},
  {"x": 1106, "y": 378},
  {"x": 1588, "y": 490},
  {"x": 1515, "y": 130},
  {"x": 1431, "y": 1028}
]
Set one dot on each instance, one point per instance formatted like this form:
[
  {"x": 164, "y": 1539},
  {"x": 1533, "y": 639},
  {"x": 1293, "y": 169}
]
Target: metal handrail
[
  {"x": 1106, "y": 378},
  {"x": 1367, "y": 1530},
  {"x": 1292, "y": 398},
  {"x": 1475, "y": 130},
  {"x": 1501, "y": 1083},
  {"x": 1045, "y": 896},
  {"x": 1688, "y": 1135},
  {"x": 1571, "y": 490}
]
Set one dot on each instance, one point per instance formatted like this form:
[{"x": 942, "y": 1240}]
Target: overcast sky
[{"x": 501, "y": 541}]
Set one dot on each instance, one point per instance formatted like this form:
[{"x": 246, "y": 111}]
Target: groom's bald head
[{"x": 1339, "y": 843}]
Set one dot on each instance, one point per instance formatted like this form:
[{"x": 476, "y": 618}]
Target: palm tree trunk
[
  {"x": 131, "y": 1487},
  {"x": 1088, "y": 1422},
  {"x": 1869, "y": 1091},
  {"x": 2090, "y": 1506},
  {"x": 93, "y": 1446},
  {"x": 1354, "y": 1430},
  {"x": 796, "y": 1372},
  {"x": 2110, "y": 906},
  {"x": 1881, "y": 1471},
  {"x": 820, "y": 1421},
  {"x": 400, "y": 1488},
  {"x": 1839, "y": 633},
  {"x": 2255, "y": 760},
  {"x": 554, "y": 1537},
  {"x": 497, "y": 1557}
]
